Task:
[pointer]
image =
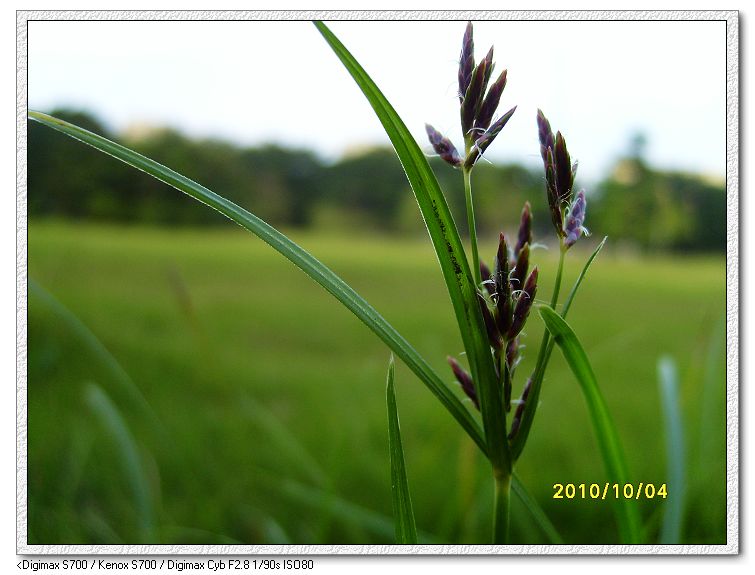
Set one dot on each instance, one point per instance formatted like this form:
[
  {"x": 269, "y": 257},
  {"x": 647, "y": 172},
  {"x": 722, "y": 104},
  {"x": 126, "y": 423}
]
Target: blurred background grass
[{"x": 269, "y": 422}]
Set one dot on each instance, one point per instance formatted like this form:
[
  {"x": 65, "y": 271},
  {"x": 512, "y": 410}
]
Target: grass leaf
[
  {"x": 449, "y": 250},
  {"x": 627, "y": 514},
  {"x": 115, "y": 426},
  {"x": 537, "y": 513},
  {"x": 300, "y": 257},
  {"x": 673, "y": 516},
  {"x": 403, "y": 515}
]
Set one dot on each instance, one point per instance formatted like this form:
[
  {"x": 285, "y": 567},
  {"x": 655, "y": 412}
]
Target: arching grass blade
[
  {"x": 403, "y": 515},
  {"x": 627, "y": 514},
  {"x": 300, "y": 257}
]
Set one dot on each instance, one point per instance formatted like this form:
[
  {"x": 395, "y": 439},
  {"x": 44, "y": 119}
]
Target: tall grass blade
[
  {"x": 114, "y": 425},
  {"x": 627, "y": 514},
  {"x": 536, "y": 512},
  {"x": 713, "y": 399},
  {"x": 298, "y": 256},
  {"x": 403, "y": 514},
  {"x": 673, "y": 516},
  {"x": 449, "y": 250}
]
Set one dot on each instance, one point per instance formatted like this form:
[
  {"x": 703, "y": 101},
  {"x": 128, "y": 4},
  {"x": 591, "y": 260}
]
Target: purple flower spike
[
  {"x": 525, "y": 228},
  {"x": 466, "y": 62},
  {"x": 545, "y": 134},
  {"x": 443, "y": 146},
  {"x": 573, "y": 227},
  {"x": 465, "y": 380}
]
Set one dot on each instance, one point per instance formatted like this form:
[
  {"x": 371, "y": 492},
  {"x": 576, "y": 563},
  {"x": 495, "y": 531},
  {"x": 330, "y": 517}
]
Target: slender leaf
[
  {"x": 76, "y": 330},
  {"x": 403, "y": 514},
  {"x": 115, "y": 426},
  {"x": 301, "y": 258},
  {"x": 449, "y": 250},
  {"x": 537, "y": 380},
  {"x": 537, "y": 513},
  {"x": 673, "y": 516},
  {"x": 627, "y": 514}
]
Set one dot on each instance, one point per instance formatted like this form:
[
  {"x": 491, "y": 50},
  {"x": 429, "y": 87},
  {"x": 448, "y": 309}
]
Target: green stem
[
  {"x": 502, "y": 505},
  {"x": 471, "y": 225}
]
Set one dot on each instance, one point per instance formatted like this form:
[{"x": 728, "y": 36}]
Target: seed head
[
  {"x": 573, "y": 226},
  {"x": 466, "y": 61},
  {"x": 443, "y": 146},
  {"x": 523, "y": 305},
  {"x": 465, "y": 380}
]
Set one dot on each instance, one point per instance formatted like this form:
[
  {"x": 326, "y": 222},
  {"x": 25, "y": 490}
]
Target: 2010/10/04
[{"x": 610, "y": 490}]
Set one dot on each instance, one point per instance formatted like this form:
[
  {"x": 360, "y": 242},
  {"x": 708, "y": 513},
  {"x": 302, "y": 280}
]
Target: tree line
[{"x": 635, "y": 205}]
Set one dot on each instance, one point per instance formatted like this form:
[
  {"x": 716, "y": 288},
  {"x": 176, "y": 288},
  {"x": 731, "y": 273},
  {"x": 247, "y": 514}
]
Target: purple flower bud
[
  {"x": 473, "y": 98},
  {"x": 465, "y": 380},
  {"x": 512, "y": 353},
  {"x": 488, "y": 72},
  {"x": 443, "y": 146},
  {"x": 502, "y": 286},
  {"x": 550, "y": 187},
  {"x": 525, "y": 228},
  {"x": 523, "y": 305},
  {"x": 573, "y": 226},
  {"x": 466, "y": 61},
  {"x": 517, "y": 420},
  {"x": 482, "y": 143},
  {"x": 521, "y": 266},
  {"x": 490, "y": 104},
  {"x": 564, "y": 175},
  {"x": 494, "y": 335},
  {"x": 545, "y": 134}
]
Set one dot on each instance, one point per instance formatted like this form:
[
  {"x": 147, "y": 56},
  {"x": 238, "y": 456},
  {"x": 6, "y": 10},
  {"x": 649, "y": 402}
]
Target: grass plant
[{"x": 491, "y": 308}]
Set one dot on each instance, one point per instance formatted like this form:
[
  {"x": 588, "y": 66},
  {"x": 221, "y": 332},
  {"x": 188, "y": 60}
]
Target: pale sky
[{"x": 254, "y": 82}]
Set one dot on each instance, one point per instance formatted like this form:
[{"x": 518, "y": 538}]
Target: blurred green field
[{"x": 268, "y": 416}]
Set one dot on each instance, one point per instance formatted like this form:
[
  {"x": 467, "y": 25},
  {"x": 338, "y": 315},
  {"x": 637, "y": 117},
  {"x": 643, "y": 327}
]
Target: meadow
[{"x": 264, "y": 417}]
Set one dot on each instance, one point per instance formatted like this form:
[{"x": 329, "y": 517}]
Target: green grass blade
[
  {"x": 79, "y": 332},
  {"x": 529, "y": 410},
  {"x": 582, "y": 274},
  {"x": 536, "y": 511},
  {"x": 449, "y": 250},
  {"x": 627, "y": 514},
  {"x": 673, "y": 516},
  {"x": 403, "y": 514},
  {"x": 298, "y": 256},
  {"x": 115, "y": 426}
]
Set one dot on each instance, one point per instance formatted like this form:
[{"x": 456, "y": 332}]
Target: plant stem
[
  {"x": 501, "y": 506},
  {"x": 471, "y": 225}
]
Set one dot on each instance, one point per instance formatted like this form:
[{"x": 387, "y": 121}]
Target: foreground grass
[{"x": 265, "y": 389}]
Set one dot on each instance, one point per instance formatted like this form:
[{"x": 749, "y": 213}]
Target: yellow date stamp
[{"x": 609, "y": 490}]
